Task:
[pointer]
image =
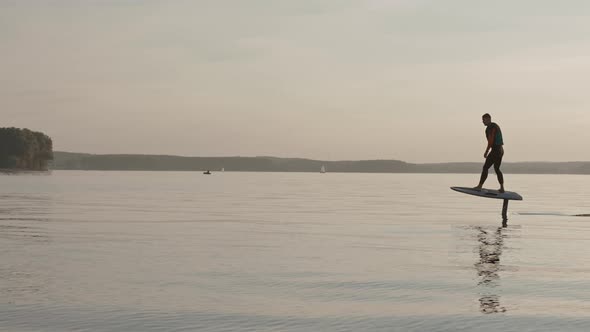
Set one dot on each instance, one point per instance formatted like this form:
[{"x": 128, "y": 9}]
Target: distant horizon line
[{"x": 305, "y": 158}]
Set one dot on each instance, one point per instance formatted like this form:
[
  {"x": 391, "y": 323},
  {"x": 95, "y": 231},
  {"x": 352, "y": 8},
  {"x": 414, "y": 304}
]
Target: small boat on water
[{"x": 207, "y": 172}]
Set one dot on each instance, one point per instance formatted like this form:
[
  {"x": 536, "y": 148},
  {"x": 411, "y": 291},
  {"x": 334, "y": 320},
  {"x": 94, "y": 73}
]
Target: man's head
[{"x": 486, "y": 119}]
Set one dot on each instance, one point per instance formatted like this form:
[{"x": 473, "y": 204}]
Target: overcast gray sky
[{"x": 321, "y": 79}]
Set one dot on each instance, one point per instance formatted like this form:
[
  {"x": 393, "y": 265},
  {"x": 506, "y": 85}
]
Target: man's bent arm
[{"x": 491, "y": 139}]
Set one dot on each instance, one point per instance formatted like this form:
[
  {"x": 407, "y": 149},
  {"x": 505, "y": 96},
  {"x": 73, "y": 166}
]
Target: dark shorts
[{"x": 495, "y": 157}]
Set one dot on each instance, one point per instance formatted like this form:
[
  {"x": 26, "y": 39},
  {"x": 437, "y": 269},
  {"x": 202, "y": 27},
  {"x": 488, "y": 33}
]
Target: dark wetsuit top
[{"x": 494, "y": 136}]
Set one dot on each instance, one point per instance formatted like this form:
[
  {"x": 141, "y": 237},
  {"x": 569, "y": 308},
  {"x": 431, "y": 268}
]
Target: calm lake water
[{"x": 182, "y": 251}]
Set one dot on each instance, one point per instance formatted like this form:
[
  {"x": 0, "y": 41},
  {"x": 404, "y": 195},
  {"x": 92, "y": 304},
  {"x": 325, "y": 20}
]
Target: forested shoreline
[{"x": 24, "y": 149}]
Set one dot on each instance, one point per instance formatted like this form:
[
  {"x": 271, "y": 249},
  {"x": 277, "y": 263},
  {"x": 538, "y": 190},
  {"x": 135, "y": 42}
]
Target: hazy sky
[{"x": 321, "y": 79}]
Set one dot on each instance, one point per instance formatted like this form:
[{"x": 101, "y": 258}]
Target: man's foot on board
[
  {"x": 501, "y": 190},
  {"x": 478, "y": 188}
]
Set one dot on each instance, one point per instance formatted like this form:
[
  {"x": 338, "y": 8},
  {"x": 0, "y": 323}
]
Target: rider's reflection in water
[{"x": 490, "y": 249}]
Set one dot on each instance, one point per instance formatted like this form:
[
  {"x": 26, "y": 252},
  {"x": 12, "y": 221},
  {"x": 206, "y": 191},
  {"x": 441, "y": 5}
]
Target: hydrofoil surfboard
[{"x": 489, "y": 193}]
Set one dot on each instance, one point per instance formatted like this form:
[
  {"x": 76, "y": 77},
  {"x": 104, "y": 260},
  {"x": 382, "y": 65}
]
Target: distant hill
[{"x": 133, "y": 162}]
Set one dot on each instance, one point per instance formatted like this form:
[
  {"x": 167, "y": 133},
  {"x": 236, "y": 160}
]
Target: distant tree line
[
  {"x": 130, "y": 162},
  {"x": 24, "y": 149}
]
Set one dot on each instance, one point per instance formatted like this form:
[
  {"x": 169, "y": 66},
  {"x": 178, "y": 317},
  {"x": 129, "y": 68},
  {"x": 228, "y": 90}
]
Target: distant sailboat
[
  {"x": 223, "y": 169},
  {"x": 323, "y": 169}
]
